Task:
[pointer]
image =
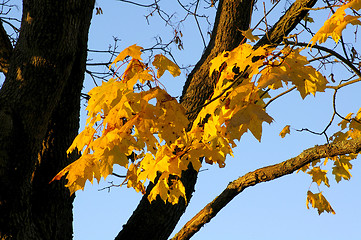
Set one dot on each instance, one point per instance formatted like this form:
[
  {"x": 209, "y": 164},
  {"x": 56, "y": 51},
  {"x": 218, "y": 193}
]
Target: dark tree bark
[
  {"x": 39, "y": 117},
  {"x": 157, "y": 220}
]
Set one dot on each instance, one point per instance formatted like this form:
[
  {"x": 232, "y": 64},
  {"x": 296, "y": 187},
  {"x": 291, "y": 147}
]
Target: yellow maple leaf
[
  {"x": 148, "y": 168},
  {"x": 293, "y": 69},
  {"x": 341, "y": 169},
  {"x": 133, "y": 51},
  {"x": 318, "y": 201},
  {"x": 168, "y": 193},
  {"x": 82, "y": 139},
  {"x": 285, "y": 130},
  {"x": 78, "y": 172},
  {"x": 108, "y": 158},
  {"x": 162, "y": 63},
  {"x": 217, "y": 62},
  {"x": 319, "y": 176},
  {"x": 251, "y": 117}
]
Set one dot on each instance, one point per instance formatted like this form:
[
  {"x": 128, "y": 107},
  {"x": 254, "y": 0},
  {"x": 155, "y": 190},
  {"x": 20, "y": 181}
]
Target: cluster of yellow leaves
[
  {"x": 291, "y": 67},
  {"x": 340, "y": 170},
  {"x": 337, "y": 23},
  {"x": 122, "y": 123},
  {"x": 144, "y": 130},
  {"x": 352, "y": 125}
]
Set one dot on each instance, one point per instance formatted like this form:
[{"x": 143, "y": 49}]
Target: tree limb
[
  {"x": 265, "y": 174},
  {"x": 5, "y": 49},
  {"x": 287, "y": 22}
]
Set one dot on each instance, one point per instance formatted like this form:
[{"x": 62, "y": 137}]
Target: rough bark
[
  {"x": 39, "y": 115},
  {"x": 264, "y": 174},
  {"x": 5, "y": 49},
  {"x": 157, "y": 220}
]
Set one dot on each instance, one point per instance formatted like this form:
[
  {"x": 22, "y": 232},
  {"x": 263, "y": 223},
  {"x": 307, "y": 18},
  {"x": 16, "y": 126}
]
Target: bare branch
[
  {"x": 344, "y": 60},
  {"x": 279, "y": 95},
  {"x": 139, "y": 4},
  {"x": 265, "y": 174}
]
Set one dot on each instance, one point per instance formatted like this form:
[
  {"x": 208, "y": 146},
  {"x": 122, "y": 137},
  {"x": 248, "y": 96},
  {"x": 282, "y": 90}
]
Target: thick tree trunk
[
  {"x": 157, "y": 220},
  {"x": 39, "y": 115}
]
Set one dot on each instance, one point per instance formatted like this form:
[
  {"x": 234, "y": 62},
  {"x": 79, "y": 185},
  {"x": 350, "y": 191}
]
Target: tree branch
[
  {"x": 265, "y": 174},
  {"x": 287, "y": 22},
  {"x": 334, "y": 53},
  {"x": 5, "y": 49}
]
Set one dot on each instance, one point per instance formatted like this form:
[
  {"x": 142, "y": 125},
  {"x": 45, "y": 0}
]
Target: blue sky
[{"x": 273, "y": 210}]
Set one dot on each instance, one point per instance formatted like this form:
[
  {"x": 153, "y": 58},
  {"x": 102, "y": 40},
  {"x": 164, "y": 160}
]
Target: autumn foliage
[{"x": 134, "y": 123}]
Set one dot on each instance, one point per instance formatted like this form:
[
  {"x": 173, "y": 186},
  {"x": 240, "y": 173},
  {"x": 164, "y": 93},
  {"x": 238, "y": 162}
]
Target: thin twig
[{"x": 279, "y": 95}]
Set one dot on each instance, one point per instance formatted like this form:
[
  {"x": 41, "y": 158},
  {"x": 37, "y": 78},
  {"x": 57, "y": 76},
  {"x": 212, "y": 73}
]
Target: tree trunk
[
  {"x": 157, "y": 220},
  {"x": 39, "y": 117}
]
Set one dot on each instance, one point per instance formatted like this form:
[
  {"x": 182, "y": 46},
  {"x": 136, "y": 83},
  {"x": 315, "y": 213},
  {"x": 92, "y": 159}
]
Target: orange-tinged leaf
[
  {"x": 285, "y": 130},
  {"x": 162, "y": 63}
]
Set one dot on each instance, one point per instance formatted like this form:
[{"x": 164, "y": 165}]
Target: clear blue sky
[{"x": 273, "y": 210}]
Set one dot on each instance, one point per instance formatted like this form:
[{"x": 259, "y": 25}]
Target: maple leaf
[
  {"x": 78, "y": 172},
  {"x": 341, "y": 169},
  {"x": 133, "y": 51},
  {"x": 251, "y": 116},
  {"x": 82, "y": 139},
  {"x": 110, "y": 157},
  {"x": 285, "y": 130},
  {"x": 217, "y": 62},
  {"x": 148, "y": 168},
  {"x": 162, "y": 63},
  {"x": 318, "y": 201},
  {"x": 292, "y": 69},
  {"x": 319, "y": 176},
  {"x": 167, "y": 193},
  {"x": 194, "y": 155}
]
